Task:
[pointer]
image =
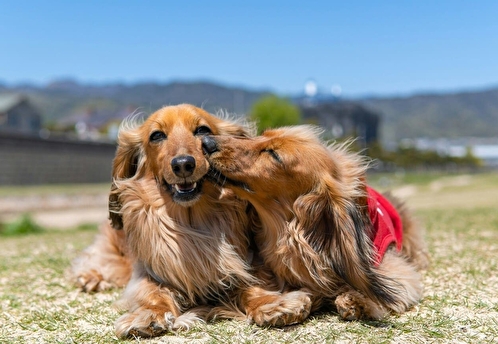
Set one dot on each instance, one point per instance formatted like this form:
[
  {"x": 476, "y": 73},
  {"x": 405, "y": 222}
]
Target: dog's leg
[
  {"x": 104, "y": 264},
  {"x": 352, "y": 305},
  {"x": 153, "y": 310},
  {"x": 273, "y": 308}
]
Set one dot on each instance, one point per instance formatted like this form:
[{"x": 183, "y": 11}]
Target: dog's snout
[
  {"x": 209, "y": 145},
  {"x": 183, "y": 166}
]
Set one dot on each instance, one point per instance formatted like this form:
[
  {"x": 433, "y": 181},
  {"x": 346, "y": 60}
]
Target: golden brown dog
[
  {"x": 188, "y": 241},
  {"x": 316, "y": 230}
]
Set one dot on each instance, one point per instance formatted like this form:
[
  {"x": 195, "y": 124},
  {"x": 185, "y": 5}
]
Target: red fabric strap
[{"x": 387, "y": 225}]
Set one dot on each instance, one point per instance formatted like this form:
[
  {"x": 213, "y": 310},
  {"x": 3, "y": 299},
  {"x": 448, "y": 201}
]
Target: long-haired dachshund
[
  {"x": 188, "y": 241},
  {"x": 322, "y": 230}
]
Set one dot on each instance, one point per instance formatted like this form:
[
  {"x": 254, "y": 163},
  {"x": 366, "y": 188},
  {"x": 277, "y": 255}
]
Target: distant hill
[
  {"x": 438, "y": 115},
  {"x": 66, "y": 97},
  {"x": 431, "y": 115}
]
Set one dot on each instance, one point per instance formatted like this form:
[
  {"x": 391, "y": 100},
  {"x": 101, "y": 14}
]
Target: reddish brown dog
[{"x": 316, "y": 232}]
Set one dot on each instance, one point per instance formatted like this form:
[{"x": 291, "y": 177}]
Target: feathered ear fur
[
  {"x": 125, "y": 165},
  {"x": 233, "y": 126},
  {"x": 336, "y": 224}
]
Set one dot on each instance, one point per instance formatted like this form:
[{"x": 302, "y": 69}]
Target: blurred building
[
  {"x": 343, "y": 119},
  {"x": 30, "y": 155},
  {"x": 18, "y": 115},
  {"x": 93, "y": 123},
  {"x": 483, "y": 148}
]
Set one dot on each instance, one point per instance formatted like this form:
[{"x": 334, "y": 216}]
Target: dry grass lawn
[{"x": 460, "y": 213}]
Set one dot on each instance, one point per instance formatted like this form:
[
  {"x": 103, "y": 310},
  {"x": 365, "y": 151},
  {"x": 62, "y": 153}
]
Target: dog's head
[
  {"x": 167, "y": 147},
  {"x": 281, "y": 163}
]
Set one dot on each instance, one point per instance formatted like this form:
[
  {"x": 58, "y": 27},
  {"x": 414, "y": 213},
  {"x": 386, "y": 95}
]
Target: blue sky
[{"x": 366, "y": 47}]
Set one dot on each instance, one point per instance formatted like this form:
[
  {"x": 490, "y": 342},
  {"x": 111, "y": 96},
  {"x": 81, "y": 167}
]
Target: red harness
[{"x": 386, "y": 222}]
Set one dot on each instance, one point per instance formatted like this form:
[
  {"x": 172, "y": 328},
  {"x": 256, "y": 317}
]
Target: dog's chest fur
[{"x": 199, "y": 251}]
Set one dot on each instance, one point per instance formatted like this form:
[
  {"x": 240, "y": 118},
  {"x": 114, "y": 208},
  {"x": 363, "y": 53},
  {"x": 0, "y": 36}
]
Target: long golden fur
[
  {"x": 188, "y": 241},
  {"x": 105, "y": 264},
  {"x": 311, "y": 205}
]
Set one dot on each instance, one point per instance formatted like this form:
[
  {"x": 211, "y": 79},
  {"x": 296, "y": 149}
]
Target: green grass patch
[
  {"x": 87, "y": 227},
  {"x": 426, "y": 180},
  {"x": 24, "y": 225}
]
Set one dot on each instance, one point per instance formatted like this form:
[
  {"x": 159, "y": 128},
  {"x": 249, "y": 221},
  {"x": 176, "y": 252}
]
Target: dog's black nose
[
  {"x": 183, "y": 165},
  {"x": 209, "y": 144}
]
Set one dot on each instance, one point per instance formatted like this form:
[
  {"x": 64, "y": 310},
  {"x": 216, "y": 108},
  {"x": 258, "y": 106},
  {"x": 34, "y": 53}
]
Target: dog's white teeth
[{"x": 185, "y": 187}]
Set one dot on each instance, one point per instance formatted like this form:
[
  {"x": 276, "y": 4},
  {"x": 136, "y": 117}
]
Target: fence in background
[{"x": 26, "y": 160}]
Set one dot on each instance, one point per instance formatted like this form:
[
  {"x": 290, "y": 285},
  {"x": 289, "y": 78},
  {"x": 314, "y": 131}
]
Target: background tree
[{"x": 272, "y": 111}]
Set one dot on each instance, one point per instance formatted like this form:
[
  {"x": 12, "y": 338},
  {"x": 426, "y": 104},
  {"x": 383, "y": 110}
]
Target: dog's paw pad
[
  {"x": 144, "y": 323},
  {"x": 348, "y": 308},
  {"x": 169, "y": 320},
  {"x": 287, "y": 309},
  {"x": 91, "y": 281},
  {"x": 153, "y": 330}
]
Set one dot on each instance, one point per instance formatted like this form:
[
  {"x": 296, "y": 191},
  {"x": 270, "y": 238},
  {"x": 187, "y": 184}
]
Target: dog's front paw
[
  {"x": 285, "y": 309},
  {"x": 347, "y": 307},
  {"x": 92, "y": 281},
  {"x": 354, "y": 306},
  {"x": 144, "y": 323}
]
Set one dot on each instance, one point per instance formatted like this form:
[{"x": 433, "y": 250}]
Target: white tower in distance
[{"x": 310, "y": 88}]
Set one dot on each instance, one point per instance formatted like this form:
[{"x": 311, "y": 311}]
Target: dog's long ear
[
  {"x": 125, "y": 165},
  {"x": 338, "y": 226}
]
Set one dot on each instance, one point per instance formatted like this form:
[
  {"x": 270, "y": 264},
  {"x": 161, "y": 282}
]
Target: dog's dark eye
[
  {"x": 157, "y": 136},
  {"x": 274, "y": 155},
  {"x": 202, "y": 130}
]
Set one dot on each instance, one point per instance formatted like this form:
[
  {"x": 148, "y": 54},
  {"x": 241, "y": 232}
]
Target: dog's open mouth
[
  {"x": 184, "y": 193},
  {"x": 185, "y": 188}
]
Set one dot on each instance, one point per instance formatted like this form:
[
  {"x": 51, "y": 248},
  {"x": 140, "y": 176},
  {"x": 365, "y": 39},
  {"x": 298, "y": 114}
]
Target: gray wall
[{"x": 28, "y": 160}]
